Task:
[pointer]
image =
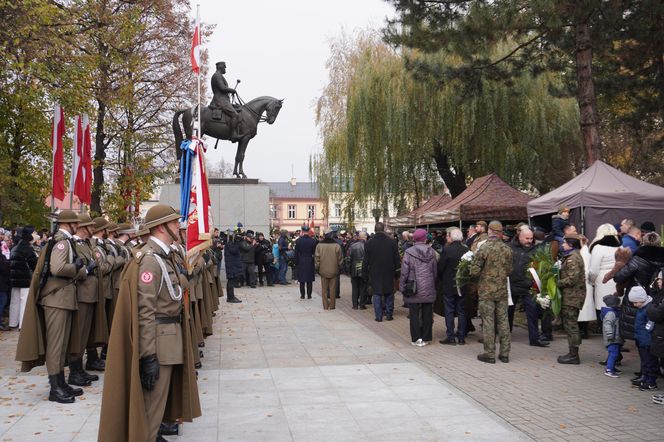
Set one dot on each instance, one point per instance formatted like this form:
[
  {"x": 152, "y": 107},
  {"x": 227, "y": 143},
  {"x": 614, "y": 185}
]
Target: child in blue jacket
[
  {"x": 643, "y": 338},
  {"x": 610, "y": 316}
]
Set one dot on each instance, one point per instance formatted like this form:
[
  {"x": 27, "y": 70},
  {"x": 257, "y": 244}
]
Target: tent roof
[
  {"x": 487, "y": 197},
  {"x": 410, "y": 219},
  {"x": 600, "y": 186}
]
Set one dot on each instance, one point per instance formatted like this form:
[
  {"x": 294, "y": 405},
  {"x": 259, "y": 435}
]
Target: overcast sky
[{"x": 279, "y": 48}]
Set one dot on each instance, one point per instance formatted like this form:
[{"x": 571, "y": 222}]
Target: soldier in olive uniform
[
  {"x": 159, "y": 312},
  {"x": 572, "y": 284},
  {"x": 106, "y": 263},
  {"x": 492, "y": 264},
  {"x": 87, "y": 296},
  {"x": 58, "y": 299}
]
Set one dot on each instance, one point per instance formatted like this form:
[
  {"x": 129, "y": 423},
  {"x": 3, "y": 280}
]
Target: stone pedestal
[{"x": 233, "y": 200}]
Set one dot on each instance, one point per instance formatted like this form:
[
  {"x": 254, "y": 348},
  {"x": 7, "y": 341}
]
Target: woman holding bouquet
[{"x": 572, "y": 284}]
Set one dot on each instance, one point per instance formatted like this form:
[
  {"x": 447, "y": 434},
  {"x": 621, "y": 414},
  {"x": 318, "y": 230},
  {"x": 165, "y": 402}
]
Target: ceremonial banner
[
  {"x": 195, "y": 53},
  {"x": 197, "y": 207},
  {"x": 81, "y": 174},
  {"x": 58, "y": 170}
]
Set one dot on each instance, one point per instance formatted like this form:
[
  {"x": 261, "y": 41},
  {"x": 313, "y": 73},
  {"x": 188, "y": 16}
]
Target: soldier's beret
[
  {"x": 84, "y": 220},
  {"x": 67, "y": 216},
  {"x": 160, "y": 214}
]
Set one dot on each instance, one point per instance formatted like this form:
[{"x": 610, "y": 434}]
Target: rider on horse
[{"x": 222, "y": 101}]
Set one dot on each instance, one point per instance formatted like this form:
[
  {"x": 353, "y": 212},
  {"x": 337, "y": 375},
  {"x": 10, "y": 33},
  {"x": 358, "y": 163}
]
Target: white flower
[
  {"x": 558, "y": 264},
  {"x": 468, "y": 256}
]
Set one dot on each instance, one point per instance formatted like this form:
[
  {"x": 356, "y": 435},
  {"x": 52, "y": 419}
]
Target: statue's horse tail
[{"x": 178, "y": 132}]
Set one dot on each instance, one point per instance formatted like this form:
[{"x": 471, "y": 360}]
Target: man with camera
[{"x": 249, "y": 258}]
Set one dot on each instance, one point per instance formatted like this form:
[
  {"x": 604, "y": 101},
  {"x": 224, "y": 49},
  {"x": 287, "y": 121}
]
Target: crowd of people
[
  {"x": 613, "y": 281},
  {"x": 130, "y": 302}
]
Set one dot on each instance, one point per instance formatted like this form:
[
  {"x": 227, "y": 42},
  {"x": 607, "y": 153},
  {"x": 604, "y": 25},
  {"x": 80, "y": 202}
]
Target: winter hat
[
  {"x": 611, "y": 301},
  {"x": 638, "y": 294},
  {"x": 26, "y": 233},
  {"x": 420, "y": 235},
  {"x": 647, "y": 227}
]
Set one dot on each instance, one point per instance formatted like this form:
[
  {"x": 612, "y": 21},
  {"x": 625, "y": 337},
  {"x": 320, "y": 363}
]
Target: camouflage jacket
[
  {"x": 492, "y": 264},
  {"x": 572, "y": 280}
]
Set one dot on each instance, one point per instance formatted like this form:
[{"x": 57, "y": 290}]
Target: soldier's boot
[
  {"x": 166, "y": 429},
  {"x": 76, "y": 376},
  {"x": 58, "y": 393},
  {"x": 94, "y": 363},
  {"x": 68, "y": 388},
  {"x": 570, "y": 358},
  {"x": 104, "y": 350},
  {"x": 85, "y": 374}
]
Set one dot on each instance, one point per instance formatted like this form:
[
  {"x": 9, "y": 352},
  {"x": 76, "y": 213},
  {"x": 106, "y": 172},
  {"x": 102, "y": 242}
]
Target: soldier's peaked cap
[
  {"x": 160, "y": 214},
  {"x": 100, "y": 223},
  {"x": 67, "y": 216},
  {"x": 84, "y": 220}
]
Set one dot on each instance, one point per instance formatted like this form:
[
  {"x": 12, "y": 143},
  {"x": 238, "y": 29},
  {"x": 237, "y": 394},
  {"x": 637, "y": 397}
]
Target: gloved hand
[
  {"x": 149, "y": 370},
  {"x": 183, "y": 271},
  {"x": 91, "y": 267},
  {"x": 78, "y": 263}
]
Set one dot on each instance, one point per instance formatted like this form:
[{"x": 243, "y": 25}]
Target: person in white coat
[{"x": 602, "y": 259}]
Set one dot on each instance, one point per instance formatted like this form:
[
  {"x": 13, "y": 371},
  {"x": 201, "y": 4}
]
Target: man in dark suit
[
  {"x": 454, "y": 301},
  {"x": 381, "y": 263}
]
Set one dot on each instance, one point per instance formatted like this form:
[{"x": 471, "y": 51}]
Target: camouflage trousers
[
  {"x": 494, "y": 316},
  {"x": 570, "y": 318}
]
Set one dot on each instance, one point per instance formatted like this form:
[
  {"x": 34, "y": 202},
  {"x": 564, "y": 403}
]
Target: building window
[
  {"x": 337, "y": 210},
  {"x": 311, "y": 211},
  {"x": 291, "y": 211},
  {"x": 273, "y": 211}
]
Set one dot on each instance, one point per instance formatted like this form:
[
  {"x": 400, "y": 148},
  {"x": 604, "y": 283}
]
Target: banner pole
[{"x": 200, "y": 34}]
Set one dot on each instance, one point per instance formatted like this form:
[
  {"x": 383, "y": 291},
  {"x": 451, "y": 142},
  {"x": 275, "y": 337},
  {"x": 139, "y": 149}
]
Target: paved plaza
[{"x": 281, "y": 369}]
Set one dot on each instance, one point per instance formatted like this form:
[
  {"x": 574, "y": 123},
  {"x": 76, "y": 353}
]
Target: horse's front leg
[
  {"x": 237, "y": 162},
  {"x": 241, "y": 148}
]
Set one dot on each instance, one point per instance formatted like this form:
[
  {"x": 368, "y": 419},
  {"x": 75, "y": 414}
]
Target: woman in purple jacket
[{"x": 419, "y": 264}]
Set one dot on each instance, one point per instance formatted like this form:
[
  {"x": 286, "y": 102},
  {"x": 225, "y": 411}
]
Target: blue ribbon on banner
[{"x": 186, "y": 161}]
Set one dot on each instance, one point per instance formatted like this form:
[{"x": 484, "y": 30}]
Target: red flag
[
  {"x": 195, "y": 53},
  {"x": 77, "y": 181},
  {"x": 58, "y": 171},
  {"x": 87, "y": 160},
  {"x": 199, "y": 219}
]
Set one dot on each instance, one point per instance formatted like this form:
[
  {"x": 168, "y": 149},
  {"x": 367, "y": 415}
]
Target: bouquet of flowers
[
  {"x": 463, "y": 270},
  {"x": 544, "y": 272}
]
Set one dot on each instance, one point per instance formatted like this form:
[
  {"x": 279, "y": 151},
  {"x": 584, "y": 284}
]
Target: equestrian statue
[{"x": 224, "y": 120}]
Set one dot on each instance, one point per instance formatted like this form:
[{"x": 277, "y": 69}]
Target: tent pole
[{"x": 583, "y": 222}]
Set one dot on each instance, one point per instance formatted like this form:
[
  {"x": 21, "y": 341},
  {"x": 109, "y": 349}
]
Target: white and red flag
[
  {"x": 58, "y": 171},
  {"x": 199, "y": 217},
  {"x": 81, "y": 176},
  {"x": 195, "y": 53}
]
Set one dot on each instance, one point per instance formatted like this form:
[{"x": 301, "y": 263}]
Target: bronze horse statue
[{"x": 250, "y": 114}]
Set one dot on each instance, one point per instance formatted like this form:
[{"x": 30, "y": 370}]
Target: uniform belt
[{"x": 169, "y": 319}]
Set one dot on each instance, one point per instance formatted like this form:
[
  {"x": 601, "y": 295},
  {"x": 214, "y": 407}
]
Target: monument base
[{"x": 233, "y": 200}]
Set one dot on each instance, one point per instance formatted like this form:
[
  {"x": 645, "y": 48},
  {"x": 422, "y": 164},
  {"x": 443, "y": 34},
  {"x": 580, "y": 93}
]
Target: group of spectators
[{"x": 19, "y": 249}]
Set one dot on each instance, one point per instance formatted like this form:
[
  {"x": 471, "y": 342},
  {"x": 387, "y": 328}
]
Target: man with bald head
[{"x": 523, "y": 249}]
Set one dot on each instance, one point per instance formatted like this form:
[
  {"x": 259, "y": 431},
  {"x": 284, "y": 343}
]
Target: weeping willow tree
[{"x": 391, "y": 138}]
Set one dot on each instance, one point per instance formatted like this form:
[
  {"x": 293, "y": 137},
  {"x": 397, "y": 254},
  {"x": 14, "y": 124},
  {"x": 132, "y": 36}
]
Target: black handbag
[{"x": 411, "y": 286}]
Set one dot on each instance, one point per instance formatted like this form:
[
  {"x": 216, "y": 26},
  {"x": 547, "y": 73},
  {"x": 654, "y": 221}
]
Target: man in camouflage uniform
[
  {"x": 573, "y": 287},
  {"x": 491, "y": 265}
]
